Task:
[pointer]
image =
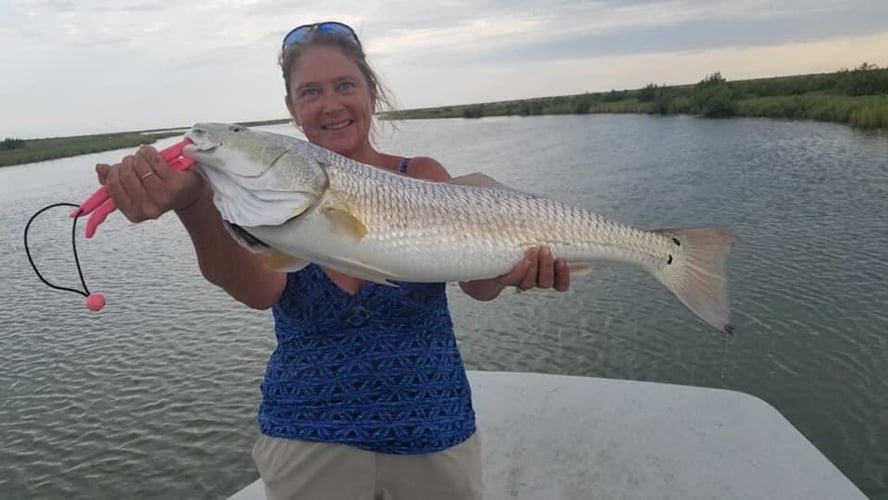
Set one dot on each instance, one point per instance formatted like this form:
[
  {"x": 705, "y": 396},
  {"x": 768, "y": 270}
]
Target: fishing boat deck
[{"x": 563, "y": 437}]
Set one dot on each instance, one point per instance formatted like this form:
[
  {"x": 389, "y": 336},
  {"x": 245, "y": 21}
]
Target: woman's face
[{"x": 330, "y": 100}]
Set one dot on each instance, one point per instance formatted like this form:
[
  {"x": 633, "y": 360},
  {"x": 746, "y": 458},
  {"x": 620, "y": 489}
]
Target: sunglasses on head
[{"x": 300, "y": 33}]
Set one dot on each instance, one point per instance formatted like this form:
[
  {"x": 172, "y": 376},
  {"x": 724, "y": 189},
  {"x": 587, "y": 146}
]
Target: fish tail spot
[{"x": 697, "y": 275}]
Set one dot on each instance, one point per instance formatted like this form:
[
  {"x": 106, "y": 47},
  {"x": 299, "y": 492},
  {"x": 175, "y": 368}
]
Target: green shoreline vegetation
[
  {"x": 857, "y": 97},
  {"x": 16, "y": 151}
]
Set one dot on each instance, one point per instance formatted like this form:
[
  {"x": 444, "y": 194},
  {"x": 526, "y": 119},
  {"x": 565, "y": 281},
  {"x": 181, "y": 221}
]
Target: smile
[{"x": 338, "y": 125}]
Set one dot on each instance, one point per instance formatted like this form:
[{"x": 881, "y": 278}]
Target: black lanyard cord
[{"x": 85, "y": 292}]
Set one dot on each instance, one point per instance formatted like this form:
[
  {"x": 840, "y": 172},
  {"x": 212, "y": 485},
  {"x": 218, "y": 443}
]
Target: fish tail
[{"x": 695, "y": 272}]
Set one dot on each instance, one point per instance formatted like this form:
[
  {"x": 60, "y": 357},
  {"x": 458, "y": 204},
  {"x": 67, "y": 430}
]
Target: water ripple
[{"x": 156, "y": 395}]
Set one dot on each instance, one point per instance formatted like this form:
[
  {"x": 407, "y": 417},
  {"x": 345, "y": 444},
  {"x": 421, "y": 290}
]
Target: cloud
[
  {"x": 514, "y": 80},
  {"x": 595, "y": 29},
  {"x": 90, "y": 65}
]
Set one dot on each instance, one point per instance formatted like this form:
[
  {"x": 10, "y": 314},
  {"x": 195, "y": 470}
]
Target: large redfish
[{"x": 300, "y": 203}]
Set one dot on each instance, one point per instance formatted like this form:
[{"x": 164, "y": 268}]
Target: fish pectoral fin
[
  {"x": 346, "y": 222},
  {"x": 280, "y": 261},
  {"x": 358, "y": 270},
  {"x": 579, "y": 268}
]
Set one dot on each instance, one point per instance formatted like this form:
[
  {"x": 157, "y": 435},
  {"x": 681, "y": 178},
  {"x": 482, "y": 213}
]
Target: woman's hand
[
  {"x": 538, "y": 269},
  {"x": 143, "y": 186}
]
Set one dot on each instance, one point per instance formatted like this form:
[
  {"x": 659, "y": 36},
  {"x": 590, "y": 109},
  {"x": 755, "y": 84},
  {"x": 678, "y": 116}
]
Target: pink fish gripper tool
[{"x": 99, "y": 205}]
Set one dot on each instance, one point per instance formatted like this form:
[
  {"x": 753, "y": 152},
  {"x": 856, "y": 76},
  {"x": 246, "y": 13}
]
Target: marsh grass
[
  {"x": 16, "y": 151},
  {"x": 858, "y": 98},
  {"x": 34, "y": 150}
]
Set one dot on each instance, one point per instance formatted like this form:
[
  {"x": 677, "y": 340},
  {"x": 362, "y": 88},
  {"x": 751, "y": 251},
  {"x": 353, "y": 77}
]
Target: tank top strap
[{"x": 404, "y": 163}]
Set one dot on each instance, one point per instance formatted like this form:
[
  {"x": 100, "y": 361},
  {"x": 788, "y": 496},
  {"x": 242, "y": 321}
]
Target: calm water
[{"x": 156, "y": 395}]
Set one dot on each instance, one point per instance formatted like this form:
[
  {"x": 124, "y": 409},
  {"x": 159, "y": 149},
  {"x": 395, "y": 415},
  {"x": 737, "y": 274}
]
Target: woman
[{"x": 365, "y": 395}]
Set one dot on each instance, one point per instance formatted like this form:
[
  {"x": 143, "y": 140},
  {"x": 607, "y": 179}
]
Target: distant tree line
[
  {"x": 9, "y": 144},
  {"x": 858, "y": 97},
  {"x": 714, "y": 96}
]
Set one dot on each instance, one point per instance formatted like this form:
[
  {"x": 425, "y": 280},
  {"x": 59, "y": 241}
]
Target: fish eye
[{"x": 236, "y": 128}]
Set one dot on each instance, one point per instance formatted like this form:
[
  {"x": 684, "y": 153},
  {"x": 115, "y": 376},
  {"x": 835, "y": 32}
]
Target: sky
[{"x": 88, "y": 66}]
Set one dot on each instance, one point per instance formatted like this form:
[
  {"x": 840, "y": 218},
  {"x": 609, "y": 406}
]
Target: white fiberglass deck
[{"x": 548, "y": 437}]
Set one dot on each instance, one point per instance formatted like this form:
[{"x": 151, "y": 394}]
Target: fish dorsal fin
[
  {"x": 280, "y": 261},
  {"x": 346, "y": 222},
  {"x": 478, "y": 179}
]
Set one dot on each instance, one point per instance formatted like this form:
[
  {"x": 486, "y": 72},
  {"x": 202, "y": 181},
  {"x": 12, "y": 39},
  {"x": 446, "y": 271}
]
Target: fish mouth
[{"x": 200, "y": 141}]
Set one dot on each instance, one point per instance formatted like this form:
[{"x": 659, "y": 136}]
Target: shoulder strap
[{"x": 404, "y": 164}]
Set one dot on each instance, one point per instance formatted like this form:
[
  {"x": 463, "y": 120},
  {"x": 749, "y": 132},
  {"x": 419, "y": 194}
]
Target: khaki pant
[{"x": 305, "y": 470}]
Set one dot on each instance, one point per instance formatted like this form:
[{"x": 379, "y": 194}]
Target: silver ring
[{"x": 147, "y": 174}]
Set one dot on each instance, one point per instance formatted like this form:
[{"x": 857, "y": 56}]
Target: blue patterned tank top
[{"x": 379, "y": 370}]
